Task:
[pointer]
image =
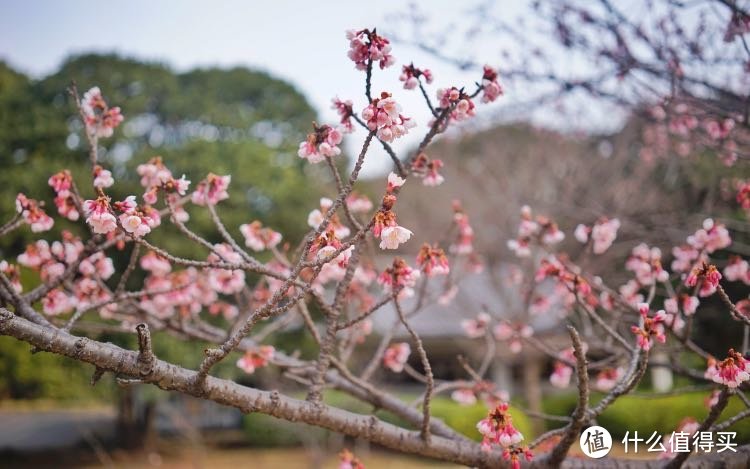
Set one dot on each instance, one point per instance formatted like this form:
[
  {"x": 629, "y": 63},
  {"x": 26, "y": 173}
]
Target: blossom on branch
[
  {"x": 211, "y": 190},
  {"x": 32, "y": 214},
  {"x": 651, "y": 327},
  {"x": 256, "y": 358},
  {"x": 731, "y": 372},
  {"x": 410, "y": 76},
  {"x": 367, "y": 46},
  {"x": 383, "y": 116},
  {"x": 100, "y": 119},
  {"x": 259, "y": 238},
  {"x": 321, "y": 143},
  {"x": 396, "y": 356}
]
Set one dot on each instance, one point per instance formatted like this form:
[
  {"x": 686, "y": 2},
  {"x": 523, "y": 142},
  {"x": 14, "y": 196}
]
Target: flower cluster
[
  {"x": 358, "y": 203},
  {"x": 476, "y": 327},
  {"x": 321, "y": 143},
  {"x": 497, "y": 428},
  {"x": 383, "y": 116},
  {"x": 410, "y": 76},
  {"x": 258, "y": 238},
  {"x": 464, "y": 242},
  {"x": 485, "y": 389},
  {"x": 62, "y": 184},
  {"x": 706, "y": 277},
  {"x": 514, "y": 456},
  {"x": 345, "y": 112},
  {"x": 399, "y": 277},
  {"x": 317, "y": 216},
  {"x": 651, "y": 327},
  {"x": 732, "y": 371},
  {"x": 460, "y": 103},
  {"x": 137, "y": 221},
  {"x": 33, "y": 214},
  {"x": 645, "y": 263},
  {"x": 386, "y": 226},
  {"x": 155, "y": 177},
  {"x": 513, "y": 334},
  {"x": 491, "y": 89},
  {"x": 540, "y": 229},
  {"x": 427, "y": 169},
  {"x": 608, "y": 378},
  {"x": 211, "y": 190},
  {"x": 100, "y": 119},
  {"x": 226, "y": 281},
  {"x": 256, "y": 358},
  {"x": 396, "y": 356},
  {"x": 366, "y": 47},
  {"x": 737, "y": 270},
  {"x": 432, "y": 261},
  {"x": 183, "y": 292},
  {"x": 602, "y": 234}
]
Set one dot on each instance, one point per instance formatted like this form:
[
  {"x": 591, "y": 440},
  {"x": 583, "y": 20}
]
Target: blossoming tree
[{"x": 333, "y": 270}]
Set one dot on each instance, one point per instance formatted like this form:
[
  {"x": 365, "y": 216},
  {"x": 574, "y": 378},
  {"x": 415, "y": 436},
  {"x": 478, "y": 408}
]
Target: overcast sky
[{"x": 300, "y": 41}]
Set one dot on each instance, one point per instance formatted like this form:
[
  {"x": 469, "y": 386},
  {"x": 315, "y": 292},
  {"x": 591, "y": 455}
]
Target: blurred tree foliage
[{"x": 226, "y": 121}]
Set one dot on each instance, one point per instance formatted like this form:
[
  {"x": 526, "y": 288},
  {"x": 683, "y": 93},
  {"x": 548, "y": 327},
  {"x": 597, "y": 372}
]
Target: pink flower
[
  {"x": 608, "y": 378},
  {"x": 102, "y": 178},
  {"x": 345, "y": 111},
  {"x": 463, "y": 106},
  {"x": 581, "y": 233},
  {"x": 604, "y": 233},
  {"x": 650, "y": 328},
  {"x": 348, "y": 461},
  {"x": 497, "y": 428},
  {"x": 428, "y": 170},
  {"x": 684, "y": 257},
  {"x": 393, "y": 236},
  {"x": 32, "y": 213},
  {"x": 154, "y": 173},
  {"x": 475, "y": 328},
  {"x": 400, "y": 276},
  {"x": 211, "y": 190},
  {"x": 316, "y": 217},
  {"x": 99, "y": 216},
  {"x": 410, "y": 76},
  {"x": 645, "y": 263},
  {"x": 61, "y": 182},
  {"x": 432, "y": 260},
  {"x": 36, "y": 255},
  {"x": 358, "y": 203},
  {"x": 464, "y": 396},
  {"x": 367, "y": 46},
  {"x": 155, "y": 264},
  {"x": 226, "y": 281},
  {"x": 383, "y": 115},
  {"x": 395, "y": 356},
  {"x": 257, "y": 358},
  {"x": 706, "y": 277},
  {"x": 491, "y": 89},
  {"x": 464, "y": 242},
  {"x": 514, "y": 333},
  {"x": 560, "y": 377},
  {"x": 514, "y": 456},
  {"x": 710, "y": 237},
  {"x": 12, "y": 272},
  {"x": 258, "y": 238},
  {"x": 321, "y": 143},
  {"x": 732, "y": 371},
  {"x": 737, "y": 270},
  {"x": 56, "y": 302},
  {"x": 100, "y": 119}
]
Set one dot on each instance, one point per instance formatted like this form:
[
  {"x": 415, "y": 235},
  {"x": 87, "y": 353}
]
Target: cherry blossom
[
  {"x": 12, "y": 274},
  {"x": 603, "y": 234},
  {"x": 317, "y": 216},
  {"x": 102, "y": 177},
  {"x": 256, "y": 358},
  {"x": 645, "y": 263},
  {"x": 383, "y": 116},
  {"x": 410, "y": 76},
  {"x": 56, "y": 302},
  {"x": 427, "y": 169},
  {"x": 711, "y": 237},
  {"x": 541, "y": 230},
  {"x": 367, "y": 46},
  {"x": 399, "y": 277},
  {"x": 358, "y": 203},
  {"x": 155, "y": 264},
  {"x": 99, "y": 215},
  {"x": 561, "y": 374},
  {"x": 491, "y": 89},
  {"x": 706, "y": 277},
  {"x": 396, "y": 356},
  {"x": 514, "y": 456},
  {"x": 211, "y": 190},
  {"x": 32, "y": 214},
  {"x": 259, "y": 238},
  {"x": 61, "y": 182},
  {"x": 651, "y": 327},
  {"x": 687, "y": 303},
  {"x": 228, "y": 311},
  {"x": 731, "y": 372},
  {"x": 464, "y": 242},
  {"x": 514, "y": 333},
  {"x": 608, "y": 378},
  {"x": 737, "y": 270},
  {"x": 497, "y": 428},
  {"x": 345, "y": 112},
  {"x": 477, "y": 327},
  {"x": 225, "y": 280},
  {"x": 462, "y": 105},
  {"x": 393, "y": 236},
  {"x": 321, "y": 143},
  {"x": 464, "y": 396},
  {"x": 100, "y": 119}
]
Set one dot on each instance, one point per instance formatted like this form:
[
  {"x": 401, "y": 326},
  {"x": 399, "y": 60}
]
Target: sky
[{"x": 301, "y": 42}]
